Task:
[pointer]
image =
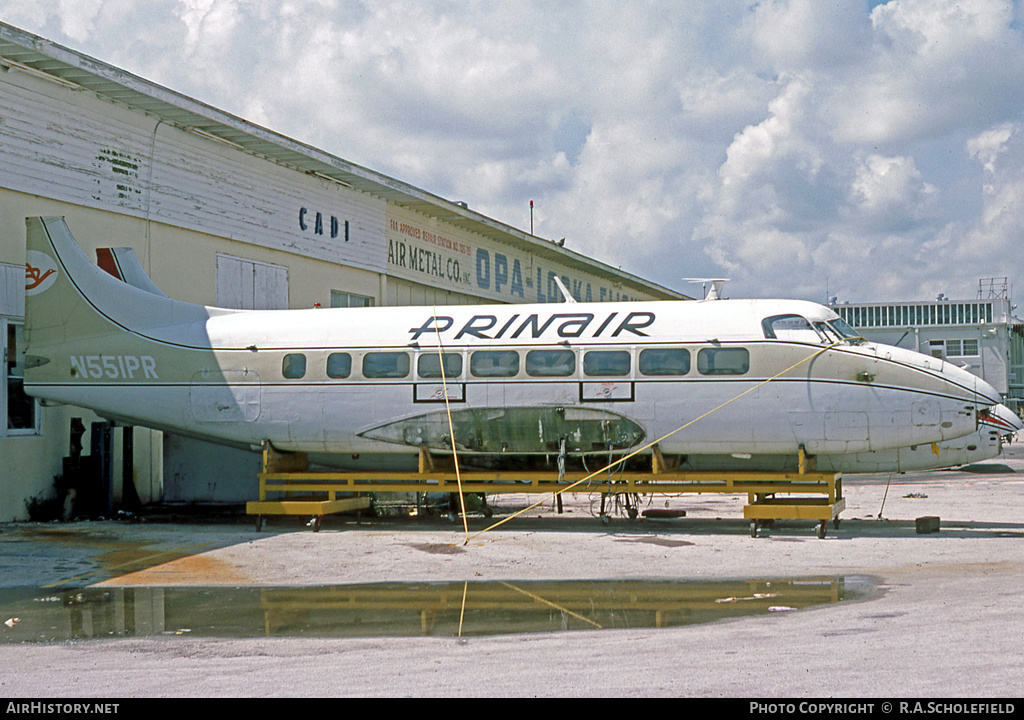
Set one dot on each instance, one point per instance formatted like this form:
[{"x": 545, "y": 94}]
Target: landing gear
[{"x": 632, "y": 503}]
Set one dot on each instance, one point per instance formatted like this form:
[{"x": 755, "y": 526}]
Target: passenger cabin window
[
  {"x": 494, "y": 363},
  {"x": 606, "y": 363},
  {"x": 664, "y": 361},
  {"x": 723, "y": 361},
  {"x": 293, "y": 366},
  {"x": 386, "y": 365},
  {"x": 550, "y": 363},
  {"x": 790, "y": 327},
  {"x": 429, "y": 365},
  {"x": 339, "y": 365}
]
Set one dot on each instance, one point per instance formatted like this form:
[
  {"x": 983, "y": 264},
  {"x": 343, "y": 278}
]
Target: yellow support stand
[
  {"x": 819, "y": 494},
  {"x": 765, "y": 507},
  {"x": 288, "y": 469}
]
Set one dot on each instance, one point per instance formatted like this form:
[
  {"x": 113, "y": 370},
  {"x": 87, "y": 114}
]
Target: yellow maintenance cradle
[{"x": 810, "y": 495}]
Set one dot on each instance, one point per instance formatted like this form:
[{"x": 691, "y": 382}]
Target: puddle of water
[
  {"x": 81, "y": 555},
  {"x": 399, "y": 609}
]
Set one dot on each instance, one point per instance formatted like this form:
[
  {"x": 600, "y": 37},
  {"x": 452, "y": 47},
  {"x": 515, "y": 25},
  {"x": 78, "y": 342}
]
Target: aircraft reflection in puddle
[{"x": 406, "y": 609}]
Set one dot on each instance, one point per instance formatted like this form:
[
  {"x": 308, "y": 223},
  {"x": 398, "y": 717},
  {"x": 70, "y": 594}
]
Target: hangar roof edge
[{"x": 22, "y": 50}]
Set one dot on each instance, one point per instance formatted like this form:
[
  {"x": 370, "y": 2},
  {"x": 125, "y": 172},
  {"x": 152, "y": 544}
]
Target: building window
[
  {"x": 341, "y": 299},
  {"x": 954, "y": 348},
  {"x": 23, "y": 414}
]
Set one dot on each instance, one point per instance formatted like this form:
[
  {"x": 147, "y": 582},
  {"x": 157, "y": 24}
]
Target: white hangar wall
[
  {"x": 213, "y": 223},
  {"x": 185, "y": 204},
  {"x": 72, "y": 146}
]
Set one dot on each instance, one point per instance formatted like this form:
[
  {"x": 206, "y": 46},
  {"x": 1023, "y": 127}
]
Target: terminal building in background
[
  {"x": 222, "y": 212},
  {"x": 980, "y": 335}
]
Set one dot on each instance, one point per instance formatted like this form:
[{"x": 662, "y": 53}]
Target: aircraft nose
[
  {"x": 984, "y": 392},
  {"x": 990, "y": 393},
  {"x": 1005, "y": 420}
]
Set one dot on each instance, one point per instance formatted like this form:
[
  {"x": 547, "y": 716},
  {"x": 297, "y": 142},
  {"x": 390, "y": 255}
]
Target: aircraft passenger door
[{"x": 228, "y": 396}]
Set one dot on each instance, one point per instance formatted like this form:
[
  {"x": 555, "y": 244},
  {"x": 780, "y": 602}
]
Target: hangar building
[{"x": 220, "y": 211}]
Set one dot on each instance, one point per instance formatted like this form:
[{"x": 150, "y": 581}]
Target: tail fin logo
[{"x": 40, "y": 272}]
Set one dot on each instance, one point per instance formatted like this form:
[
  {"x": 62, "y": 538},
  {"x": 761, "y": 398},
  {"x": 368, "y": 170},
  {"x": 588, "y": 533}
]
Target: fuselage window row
[{"x": 651, "y": 362}]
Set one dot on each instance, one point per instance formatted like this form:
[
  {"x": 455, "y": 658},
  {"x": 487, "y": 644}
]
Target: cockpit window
[
  {"x": 838, "y": 331},
  {"x": 844, "y": 330},
  {"x": 795, "y": 328},
  {"x": 829, "y": 333}
]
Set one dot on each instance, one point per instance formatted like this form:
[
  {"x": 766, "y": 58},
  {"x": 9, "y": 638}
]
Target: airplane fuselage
[{"x": 757, "y": 378}]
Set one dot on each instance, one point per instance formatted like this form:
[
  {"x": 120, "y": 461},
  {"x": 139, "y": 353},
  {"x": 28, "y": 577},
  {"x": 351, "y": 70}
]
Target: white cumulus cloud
[{"x": 867, "y": 150}]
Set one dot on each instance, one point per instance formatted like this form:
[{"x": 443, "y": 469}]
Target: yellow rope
[
  {"x": 462, "y": 612},
  {"x": 652, "y": 444},
  {"x": 542, "y": 601},
  {"x": 451, "y": 429}
]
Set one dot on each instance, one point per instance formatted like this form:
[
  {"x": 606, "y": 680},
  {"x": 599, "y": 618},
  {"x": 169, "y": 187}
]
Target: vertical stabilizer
[
  {"x": 68, "y": 297},
  {"x": 95, "y": 341},
  {"x": 57, "y": 273}
]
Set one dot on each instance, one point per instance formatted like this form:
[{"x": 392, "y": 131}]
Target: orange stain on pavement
[{"x": 189, "y": 570}]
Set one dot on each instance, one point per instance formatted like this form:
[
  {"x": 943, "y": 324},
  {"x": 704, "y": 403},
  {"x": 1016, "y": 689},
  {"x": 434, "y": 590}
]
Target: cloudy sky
[{"x": 800, "y": 148}]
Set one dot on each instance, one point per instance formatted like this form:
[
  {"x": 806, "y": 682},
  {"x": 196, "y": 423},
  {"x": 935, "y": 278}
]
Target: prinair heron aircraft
[{"x": 499, "y": 382}]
